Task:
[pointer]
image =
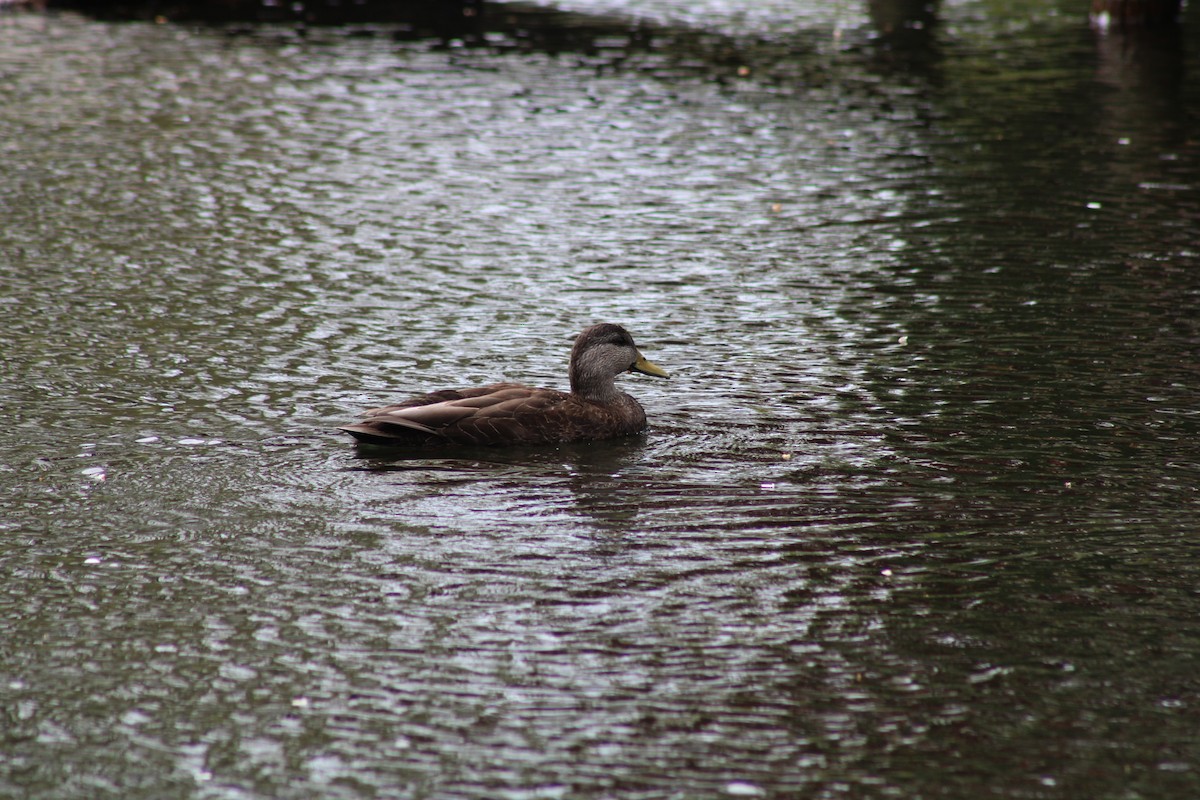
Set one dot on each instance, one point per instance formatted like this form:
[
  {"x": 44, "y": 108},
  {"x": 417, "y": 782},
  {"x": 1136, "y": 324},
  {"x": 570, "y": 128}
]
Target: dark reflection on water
[{"x": 915, "y": 517}]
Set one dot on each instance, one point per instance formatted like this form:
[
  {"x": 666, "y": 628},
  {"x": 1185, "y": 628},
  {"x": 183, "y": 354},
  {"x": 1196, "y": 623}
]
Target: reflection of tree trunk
[
  {"x": 903, "y": 19},
  {"x": 1134, "y": 13},
  {"x": 906, "y": 31},
  {"x": 1146, "y": 70},
  {"x": 1144, "y": 113}
]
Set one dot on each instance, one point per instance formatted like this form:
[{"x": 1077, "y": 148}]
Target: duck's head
[{"x": 601, "y": 353}]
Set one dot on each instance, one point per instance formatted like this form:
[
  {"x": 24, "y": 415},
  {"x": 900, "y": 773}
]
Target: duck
[{"x": 516, "y": 414}]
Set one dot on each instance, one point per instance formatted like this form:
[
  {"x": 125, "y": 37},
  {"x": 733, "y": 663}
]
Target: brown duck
[{"x": 511, "y": 413}]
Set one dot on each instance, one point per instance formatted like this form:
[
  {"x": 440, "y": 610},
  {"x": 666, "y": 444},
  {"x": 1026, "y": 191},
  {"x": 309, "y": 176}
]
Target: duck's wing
[
  {"x": 442, "y": 396},
  {"x": 503, "y": 413}
]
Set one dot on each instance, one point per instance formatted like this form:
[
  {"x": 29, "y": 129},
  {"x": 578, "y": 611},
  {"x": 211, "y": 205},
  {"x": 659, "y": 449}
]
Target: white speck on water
[
  {"x": 134, "y": 717},
  {"x": 95, "y": 473}
]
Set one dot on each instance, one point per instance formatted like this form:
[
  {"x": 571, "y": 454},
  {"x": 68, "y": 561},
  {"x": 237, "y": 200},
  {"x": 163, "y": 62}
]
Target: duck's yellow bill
[{"x": 648, "y": 368}]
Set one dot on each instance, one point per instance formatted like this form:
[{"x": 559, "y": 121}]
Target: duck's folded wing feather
[
  {"x": 508, "y": 417},
  {"x": 497, "y": 414},
  {"x": 442, "y": 396}
]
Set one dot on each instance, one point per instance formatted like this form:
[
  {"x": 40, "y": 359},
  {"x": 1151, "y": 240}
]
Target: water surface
[{"x": 915, "y": 517}]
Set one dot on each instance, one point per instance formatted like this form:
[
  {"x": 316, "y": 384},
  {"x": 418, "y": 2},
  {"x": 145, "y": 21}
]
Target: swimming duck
[{"x": 511, "y": 413}]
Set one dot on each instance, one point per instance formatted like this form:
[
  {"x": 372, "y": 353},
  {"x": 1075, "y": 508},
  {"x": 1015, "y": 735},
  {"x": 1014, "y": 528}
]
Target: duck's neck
[{"x": 590, "y": 387}]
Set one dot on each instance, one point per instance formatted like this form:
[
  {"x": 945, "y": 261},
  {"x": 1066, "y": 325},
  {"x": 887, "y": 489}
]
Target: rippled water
[{"x": 916, "y": 516}]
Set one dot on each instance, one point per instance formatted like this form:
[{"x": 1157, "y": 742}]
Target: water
[{"x": 916, "y": 515}]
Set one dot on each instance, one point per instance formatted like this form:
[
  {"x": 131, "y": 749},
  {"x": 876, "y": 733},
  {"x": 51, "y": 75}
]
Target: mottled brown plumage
[{"x": 510, "y": 413}]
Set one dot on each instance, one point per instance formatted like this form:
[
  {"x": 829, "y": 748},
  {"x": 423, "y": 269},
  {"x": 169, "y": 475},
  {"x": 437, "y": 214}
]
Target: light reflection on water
[{"x": 922, "y": 484}]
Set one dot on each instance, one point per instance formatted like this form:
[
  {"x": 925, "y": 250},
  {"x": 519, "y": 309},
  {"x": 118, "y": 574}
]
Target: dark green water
[{"x": 917, "y": 516}]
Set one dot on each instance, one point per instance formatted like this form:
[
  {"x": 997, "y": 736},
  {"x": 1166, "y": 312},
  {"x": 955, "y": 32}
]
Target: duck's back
[{"x": 502, "y": 413}]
